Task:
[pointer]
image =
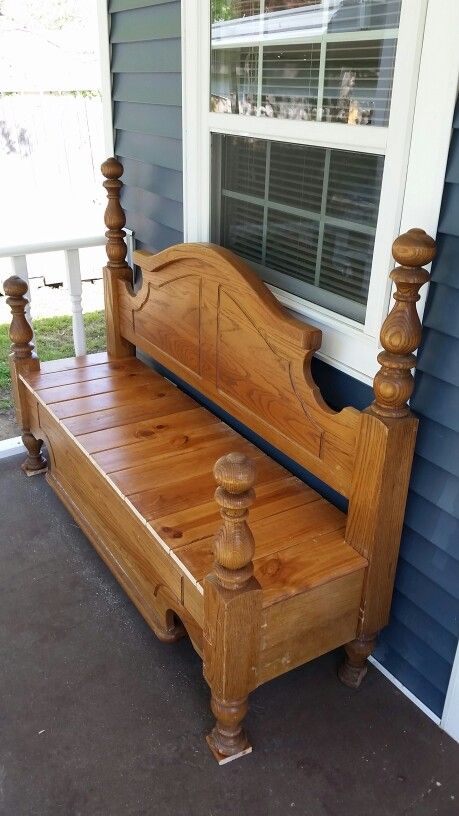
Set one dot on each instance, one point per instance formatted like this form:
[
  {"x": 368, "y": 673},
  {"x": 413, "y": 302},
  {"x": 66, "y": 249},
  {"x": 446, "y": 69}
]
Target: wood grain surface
[
  {"x": 268, "y": 574},
  {"x": 203, "y": 313},
  {"x": 156, "y": 447}
]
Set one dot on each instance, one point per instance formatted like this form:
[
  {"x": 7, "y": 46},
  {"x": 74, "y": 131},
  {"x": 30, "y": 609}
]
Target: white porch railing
[{"x": 72, "y": 277}]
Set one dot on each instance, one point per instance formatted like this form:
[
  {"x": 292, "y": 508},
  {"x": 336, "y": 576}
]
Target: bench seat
[{"x": 156, "y": 447}]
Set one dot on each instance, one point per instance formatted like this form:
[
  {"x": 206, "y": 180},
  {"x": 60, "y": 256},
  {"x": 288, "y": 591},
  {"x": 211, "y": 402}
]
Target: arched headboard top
[
  {"x": 204, "y": 314},
  {"x": 222, "y": 265}
]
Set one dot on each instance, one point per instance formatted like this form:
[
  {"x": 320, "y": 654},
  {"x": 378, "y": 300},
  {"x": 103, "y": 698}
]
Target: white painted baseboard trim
[
  {"x": 450, "y": 719},
  {"x": 404, "y": 690},
  {"x": 10, "y": 447}
]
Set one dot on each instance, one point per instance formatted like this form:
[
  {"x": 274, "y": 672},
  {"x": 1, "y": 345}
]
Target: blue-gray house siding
[
  {"x": 147, "y": 114},
  {"x": 419, "y": 645}
]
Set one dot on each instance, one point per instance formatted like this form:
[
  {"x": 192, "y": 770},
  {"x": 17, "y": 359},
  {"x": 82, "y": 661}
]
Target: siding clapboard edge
[
  {"x": 411, "y": 615},
  {"x": 132, "y": 5},
  {"x": 410, "y": 580},
  {"x": 419, "y": 655},
  {"x": 405, "y": 690},
  {"x": 410, "y": 677}
]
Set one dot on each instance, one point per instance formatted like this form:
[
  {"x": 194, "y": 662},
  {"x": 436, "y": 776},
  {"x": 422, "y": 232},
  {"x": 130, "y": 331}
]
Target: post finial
[
  {"x": 20, "y": 329},
  {"x": 234, "y": 545},
  {"x": 414, "y": 248},
  {"x": 114, "y": 216},
  {"x": 401, "y": 330}
]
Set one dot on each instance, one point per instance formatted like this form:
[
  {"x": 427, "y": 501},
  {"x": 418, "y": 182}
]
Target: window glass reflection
[{"x": 320, "y": 60}]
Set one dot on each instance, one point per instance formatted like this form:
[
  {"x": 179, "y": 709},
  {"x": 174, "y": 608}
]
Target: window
[
  {"x": 298, "y": 122},
  {"x": 315, "y": 60},
  {"x": 305, "y": 216}
]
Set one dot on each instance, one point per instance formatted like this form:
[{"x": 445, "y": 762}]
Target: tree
[{"x": 233, "y": 9}]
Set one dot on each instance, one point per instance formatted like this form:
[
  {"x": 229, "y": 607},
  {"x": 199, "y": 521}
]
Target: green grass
[{"x": 54, "y": 340}]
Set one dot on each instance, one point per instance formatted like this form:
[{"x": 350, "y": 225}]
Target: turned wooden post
[
  {"x": 232, "y": 611},
  {"x": 355, "y": 666},
  {"x": 23, "y": 360},
  {"x": 21, "y": 333},
  {"x": 387, "y": 436},
  {"x": 401, "y": 330},
  {"x": 116, "y": 269}
]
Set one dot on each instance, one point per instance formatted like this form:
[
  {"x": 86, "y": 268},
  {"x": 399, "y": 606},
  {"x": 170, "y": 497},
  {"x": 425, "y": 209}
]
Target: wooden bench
[{"x": 133, "y": 459}]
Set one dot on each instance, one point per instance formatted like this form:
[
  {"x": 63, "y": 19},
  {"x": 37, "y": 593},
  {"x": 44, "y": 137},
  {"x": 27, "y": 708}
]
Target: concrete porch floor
[{"x": 100, "y": 719}]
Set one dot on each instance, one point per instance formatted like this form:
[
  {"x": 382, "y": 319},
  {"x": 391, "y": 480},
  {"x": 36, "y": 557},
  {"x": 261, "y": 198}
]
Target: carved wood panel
[
  {"x": 252, "y": 372},
  {"x": 204, "y": 314}
]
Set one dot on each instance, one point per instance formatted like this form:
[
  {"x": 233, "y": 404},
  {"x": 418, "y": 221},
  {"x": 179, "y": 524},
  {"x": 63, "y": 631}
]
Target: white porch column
[{"x": 74, "y": 286}]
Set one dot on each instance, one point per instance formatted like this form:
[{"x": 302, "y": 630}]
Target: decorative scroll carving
[
  {"x": 114, "y": 217},
  {"x": 401, "y": 330},
  {"x": 20, "y": 329}
]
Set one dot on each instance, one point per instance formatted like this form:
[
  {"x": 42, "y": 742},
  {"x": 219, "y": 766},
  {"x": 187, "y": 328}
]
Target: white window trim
[
  {"x": 423, "y": 97},
  {"x": 450, "y": 719}
]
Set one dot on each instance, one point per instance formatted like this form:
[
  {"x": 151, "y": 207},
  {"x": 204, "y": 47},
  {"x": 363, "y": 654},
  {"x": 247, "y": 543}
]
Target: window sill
[{"x": 345, "y": 345}]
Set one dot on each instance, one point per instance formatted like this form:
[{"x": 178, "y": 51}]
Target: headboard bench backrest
[{"x": 204, "y": 314}]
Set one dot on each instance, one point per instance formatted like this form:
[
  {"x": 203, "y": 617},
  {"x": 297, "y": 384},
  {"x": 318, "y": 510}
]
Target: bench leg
[
  {"x": 232, "y": 611},
  {"x": 228, "y": 739},
  {"x": 35, "y": 463},
  {"x": 354, "y": 667},
  {"x": 230, "y": 650}
]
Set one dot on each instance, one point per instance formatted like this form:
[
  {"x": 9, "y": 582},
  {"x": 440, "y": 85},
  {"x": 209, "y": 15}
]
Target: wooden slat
[
  {"x": 191, "y": 491},
  {"x": 104, "y": 385},
  {"x": 69, "y": 363},
  {"x": 146, "y": 409},
  {"x": 202, "y": 521},
  {"x": 188, "y": 465},
  {"x": 128, "y": 395},
  {"x": 321, "y": 559},
  {"x": 163, "y": 432},
  {"x": 146, "y": 453},
  {"x": 118, "y": 368},
  {"x": 298, "y": 525}
]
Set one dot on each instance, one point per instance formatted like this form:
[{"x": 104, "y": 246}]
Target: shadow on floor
[{"x": 100, "y": 719}]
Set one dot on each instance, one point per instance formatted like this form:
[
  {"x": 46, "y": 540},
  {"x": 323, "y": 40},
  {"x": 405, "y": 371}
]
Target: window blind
[
  {"x": 358, "y": 81},
  {"x": 290, "y": 82},
  {"x": 306, "y": 216}
]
